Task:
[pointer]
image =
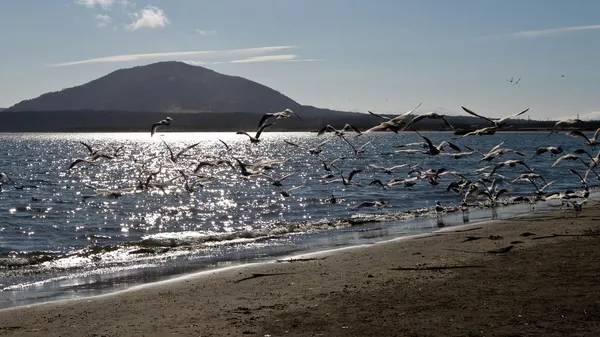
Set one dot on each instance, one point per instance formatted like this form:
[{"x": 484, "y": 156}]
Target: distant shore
[{"x": 534, "y": 275}]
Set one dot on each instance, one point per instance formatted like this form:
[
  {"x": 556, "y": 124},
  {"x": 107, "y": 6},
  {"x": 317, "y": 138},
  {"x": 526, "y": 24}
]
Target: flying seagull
[
  {"x": 255, "y": 139},
  {"x": 277, "y": 115},
  {"x": 166, "y": 121},
  {"x": 497, "y": 122}
]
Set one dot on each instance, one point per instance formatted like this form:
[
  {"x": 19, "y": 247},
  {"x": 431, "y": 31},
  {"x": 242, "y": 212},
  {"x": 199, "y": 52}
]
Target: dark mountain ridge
[
  {"x": 163, "y": 87},
  {"x": 198, "y": 99}
]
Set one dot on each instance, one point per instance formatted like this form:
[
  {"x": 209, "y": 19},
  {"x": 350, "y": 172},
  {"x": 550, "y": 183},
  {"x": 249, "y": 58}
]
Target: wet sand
[{"x": 506, "y": 278}]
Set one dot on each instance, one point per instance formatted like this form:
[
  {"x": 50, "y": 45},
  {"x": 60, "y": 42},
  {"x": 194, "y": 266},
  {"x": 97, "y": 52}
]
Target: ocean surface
[{"x": 140, "y": 214}]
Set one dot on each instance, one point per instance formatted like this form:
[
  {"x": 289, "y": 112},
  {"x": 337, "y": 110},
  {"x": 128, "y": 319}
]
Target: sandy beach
[{"x": 531, "y": 276}]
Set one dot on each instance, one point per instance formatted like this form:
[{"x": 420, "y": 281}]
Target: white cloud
[
  {"x": 173, "y": 55},
  {"x": 206, "y": 32},
  {"x": 149, "y": 17},
  {"x": 545, "y": 32},
  {"x": 587, "y": 116},
  {"x": 103, "y": 20},
  {"x": 104, "y": 4},
  {"x": 195, "y": 63},
  {"x": 265, "y": 58},
  {"x": 304, "y": 60}
]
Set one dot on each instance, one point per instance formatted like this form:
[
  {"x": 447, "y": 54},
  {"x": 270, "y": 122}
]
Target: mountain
[
  {"x": 2, "y": 109},
  {"x": 163, "y": 87}
]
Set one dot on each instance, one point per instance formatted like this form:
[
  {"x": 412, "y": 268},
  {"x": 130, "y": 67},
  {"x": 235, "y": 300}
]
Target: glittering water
[{"x": 57, "y": 222}]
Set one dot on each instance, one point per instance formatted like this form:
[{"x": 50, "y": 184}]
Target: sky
[{"x": 381, "y": 55}]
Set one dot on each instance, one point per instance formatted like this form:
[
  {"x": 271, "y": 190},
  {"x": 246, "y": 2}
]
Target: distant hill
[
  {"x": 198, "y": 99},
  {"x": 163, "y": 87},
  {"x": 2, "y": 109}
]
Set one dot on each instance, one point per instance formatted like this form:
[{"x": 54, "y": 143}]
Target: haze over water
[{"x": 50, "y": 233}]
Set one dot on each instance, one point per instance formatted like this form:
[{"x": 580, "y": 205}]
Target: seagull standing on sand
[{"x": 166, "y": 121}]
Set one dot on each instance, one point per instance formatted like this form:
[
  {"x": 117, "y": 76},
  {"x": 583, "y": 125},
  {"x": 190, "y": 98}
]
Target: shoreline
[
  {"x": 62, "y": 287},
  {"x": 353, "y": 291}
]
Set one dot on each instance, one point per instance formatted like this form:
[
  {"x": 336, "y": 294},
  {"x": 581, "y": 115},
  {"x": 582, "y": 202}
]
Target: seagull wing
[
  {"x": 576, "y": 133},
  {"x": 348, "y": 127},
  {"x": 353, "y": 173},
  {"x": 88, "y": 147},
  {"x": 326, "y": 128},
  {"x": 400, "y": 118},
  {"x": 513, "y": 115},
  {"x": 226, "y": 146},
  {"x": 380, "y": 116},
  {"x": 262, "y": 128},
  {"x": 169, "y": 149},
  {"x": 596, "y": 134},
  {"x": 264, "y": 118},
  {"x": 187, "y": 148},
  {"x": 414, "y": 121},
  {"x": 476, "y": 115}
]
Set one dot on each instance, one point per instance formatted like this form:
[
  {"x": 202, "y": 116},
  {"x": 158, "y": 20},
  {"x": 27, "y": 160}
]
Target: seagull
[
  {"x": 312, "y": 150},
  {"x": 277, "y": 115},
  {"x": 277, "y": 181},
  {"x": 339, "y": 133},
  {"x": 517, "y": 82},
  {"x": 590, "y": 141},
  {"x": 255, "y": 138},
  {"x": 4, "y": 177},
  {"x": 176, "y": 156},
  {"x": 583, "y": 180},
  {"x": 433, "y": 150},
  {"x": 480, "y": 132},
  {"x": 497, "y": 122},
  {"x": 438, "y": 207},
  {"x": 493, "y": 192},
  {"x": 361, "y": 149},
  {"x": 569, "y": 156},
  {"x": 89, "y": 159},
  {"x": 576, "y": 206},
  {"x": 388, "y": 170},
  {"x": 527, "y": 177},
  {"x": 214, "y": 162},
  {"x": 499, "y": 152},
  {"x": 226, "y": 146},
  {"x": 166, "y": 121},
  {"x": 540, "y": 191},
  {"x": 327, "y": 167},
  {"x": 346, "y": 182},
  {"x": 389, "y": 184},
  {"x": 374, "y": 204},
  {"x": 392, "y": 124},
  {"x": 286, "y": 193},
  {"x": 430, "y": 115},
  {"x": 552, "y": 149},
  {"x": 244, "y": 169},
  {"x": 568, "y": 122},
  {"x": 509, "y": 163}
]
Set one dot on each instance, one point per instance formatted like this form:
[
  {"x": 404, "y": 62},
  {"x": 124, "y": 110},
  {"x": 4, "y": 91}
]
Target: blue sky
[{"x": 384, "y": 56}]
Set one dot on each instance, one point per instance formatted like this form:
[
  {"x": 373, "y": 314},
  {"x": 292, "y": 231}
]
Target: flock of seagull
[{"x": 484, "y": 186}]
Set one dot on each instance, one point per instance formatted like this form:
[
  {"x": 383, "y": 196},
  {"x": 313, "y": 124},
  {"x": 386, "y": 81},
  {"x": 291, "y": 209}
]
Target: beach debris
[
  {"x": 493, "y": 251},
  {"x": 500, "y": 250},
  {"x": 257, "y": 275},
  {"x": 436, "y": 267},
  {"x": 472, "y": 238},
  {"x": 302, "y": 259}
]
